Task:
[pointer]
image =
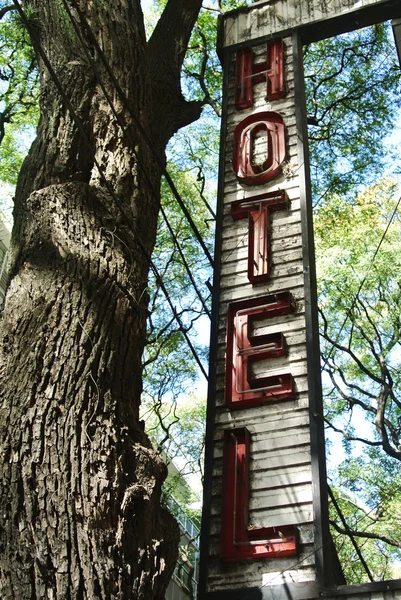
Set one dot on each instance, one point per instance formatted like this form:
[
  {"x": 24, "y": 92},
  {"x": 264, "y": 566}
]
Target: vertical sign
[
  {"x": 261, "y": 511},
  {"x": 265, "y": 523}
]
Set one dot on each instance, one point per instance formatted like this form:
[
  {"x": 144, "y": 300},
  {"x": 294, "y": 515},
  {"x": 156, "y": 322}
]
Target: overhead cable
[
  {"x": 81, "y": 128},
  {"x": 132, "y": 144},
  {"x": 344, "y": 522},
  {"x": 141, "y": 129},
  {"x": 205, "y": 307}
]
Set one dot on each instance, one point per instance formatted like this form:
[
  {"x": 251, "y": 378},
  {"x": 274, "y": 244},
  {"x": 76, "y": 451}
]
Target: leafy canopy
[
  {"x": 353, "y": 102},
  {"x": 19, "y": 91}
]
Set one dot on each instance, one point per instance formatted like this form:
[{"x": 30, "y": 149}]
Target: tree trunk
[{"x": 80, "y": 493}]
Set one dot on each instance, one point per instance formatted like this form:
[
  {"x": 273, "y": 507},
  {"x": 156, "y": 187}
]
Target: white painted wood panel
[
  {"x": 304, "y": 559},
  {"x": 277, "y": 459},
  {"x": 267, "y": 18},
  {"x": 280, "y": 478},
  {"x": 280, "y": 417},
  {"x": 280, "y": 456},
  {"x": 305, "y": 535}
]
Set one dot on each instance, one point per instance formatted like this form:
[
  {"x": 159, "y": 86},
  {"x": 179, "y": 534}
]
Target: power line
[
  {"x": 131, "y": 142},
  {"x": 79, "y": 124},
  {"x": 205, "y": 307},
  {"x": 141, "y": 129},
  {"x": 344, "y": 522}
]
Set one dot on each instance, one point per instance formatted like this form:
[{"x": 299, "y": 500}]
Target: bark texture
[{"x": 80, "y": 490}]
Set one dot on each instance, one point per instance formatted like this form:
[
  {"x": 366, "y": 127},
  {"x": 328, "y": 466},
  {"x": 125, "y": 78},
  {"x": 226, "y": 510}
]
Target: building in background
[
  {"x": 184, "y": 582},
  {"x": 179, "y": 496}
]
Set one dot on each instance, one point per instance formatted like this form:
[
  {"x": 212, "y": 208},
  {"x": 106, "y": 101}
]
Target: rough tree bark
[{"x": 80, "y": 490}]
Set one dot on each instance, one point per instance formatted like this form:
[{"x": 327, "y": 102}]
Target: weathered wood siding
[
  {"x": 280, "y": 471},
  {"x": 270, "y": 18}
]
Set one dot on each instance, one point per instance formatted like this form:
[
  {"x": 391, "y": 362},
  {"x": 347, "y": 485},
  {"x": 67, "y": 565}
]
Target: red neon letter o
[{"x": 245, "y": 133}]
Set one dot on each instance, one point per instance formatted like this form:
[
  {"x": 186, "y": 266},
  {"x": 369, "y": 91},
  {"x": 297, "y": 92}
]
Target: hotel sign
[{"x": 265, "y": 523}]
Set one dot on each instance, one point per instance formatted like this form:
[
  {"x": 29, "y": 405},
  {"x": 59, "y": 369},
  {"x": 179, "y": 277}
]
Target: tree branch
[
  {"x": 351, "y": 438},
  {"x": 200, "y": 77},
  {"x": 365, "y": 534},
  {"x": 352, "y": 400},
  {"x": 166, "y": 52},
  {"x": 380, "y": 426},
  {"x": 330, "y": 369},
  {"x": 169, "y": 40},
  {"x": 5, "y": 10},
  {"x": 348, "y": 351}
]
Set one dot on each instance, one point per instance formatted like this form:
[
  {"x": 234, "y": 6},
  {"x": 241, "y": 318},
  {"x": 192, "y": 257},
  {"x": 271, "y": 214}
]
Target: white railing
[
  {"x": 184, "y": 578},
  {"x": 186, "y": 523}
]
